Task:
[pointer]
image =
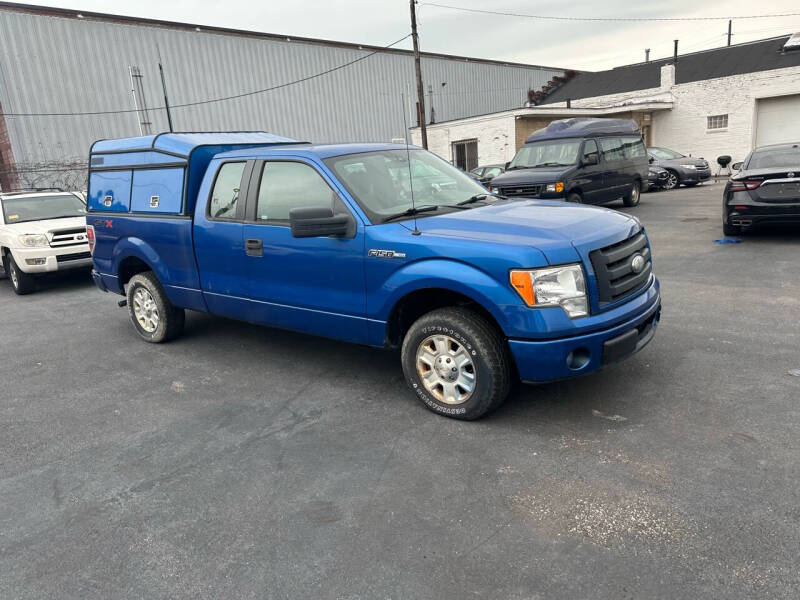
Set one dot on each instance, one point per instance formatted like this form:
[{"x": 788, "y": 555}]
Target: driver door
[{"x": 314, "y": 284}]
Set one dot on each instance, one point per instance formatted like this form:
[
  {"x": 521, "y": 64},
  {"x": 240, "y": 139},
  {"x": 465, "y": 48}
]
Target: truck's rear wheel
[
  {"x": 632, "y": 197},
  {"x": 152, "y": 314},
  {"x": 457, "y": 363},
  {"x": 22, "y": 283}
]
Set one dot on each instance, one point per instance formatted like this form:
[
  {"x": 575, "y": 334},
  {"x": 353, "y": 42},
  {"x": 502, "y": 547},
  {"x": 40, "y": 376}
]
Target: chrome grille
[
  {"x": 75, "y": 236},
  {"x": 613, "y": 268},
  {"x": 528, "y": 191}
]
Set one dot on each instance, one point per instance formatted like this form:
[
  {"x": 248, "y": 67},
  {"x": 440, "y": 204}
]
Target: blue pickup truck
[{"x": 377, "y": 244}]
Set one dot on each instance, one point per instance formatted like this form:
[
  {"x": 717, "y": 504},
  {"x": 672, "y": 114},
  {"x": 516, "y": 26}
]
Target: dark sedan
[
  {"x": 683, "y": 170},
  {"x": 765, "y": 190},
  {"x": 487, "y": 173}
]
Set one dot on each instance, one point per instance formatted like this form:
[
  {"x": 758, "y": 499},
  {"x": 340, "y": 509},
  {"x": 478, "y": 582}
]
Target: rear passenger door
[
  {"x": 218, "y": 239},
  {"x": 307, "y": 284},
  {"x": 616, "y": 180}
]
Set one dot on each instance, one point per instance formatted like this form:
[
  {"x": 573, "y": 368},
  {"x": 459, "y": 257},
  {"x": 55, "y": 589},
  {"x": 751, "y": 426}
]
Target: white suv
[{"x": 41, "y": 232}]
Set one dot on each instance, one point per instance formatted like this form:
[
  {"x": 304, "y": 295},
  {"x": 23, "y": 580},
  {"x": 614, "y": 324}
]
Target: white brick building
[{"x": 711, "y": 103}]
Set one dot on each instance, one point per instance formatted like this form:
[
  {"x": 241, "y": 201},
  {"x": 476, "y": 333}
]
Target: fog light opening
[
  {"x": 35, "y": 261},
  {"x": 578, "y": 358}
]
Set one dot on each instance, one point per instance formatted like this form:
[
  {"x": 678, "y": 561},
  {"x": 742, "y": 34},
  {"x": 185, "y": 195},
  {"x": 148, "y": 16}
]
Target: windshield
[
  {"x": 664, "y": 153},
  {"x": 380, "y": 182},
  {"x": 775, "y": 158},
  {"x": 553, "y": 153},
  {"x": 39, "y": 208}
]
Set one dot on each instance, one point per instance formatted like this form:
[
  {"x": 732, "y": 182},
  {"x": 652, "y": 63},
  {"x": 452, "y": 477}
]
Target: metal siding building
[{"x": 54, "y": 60}]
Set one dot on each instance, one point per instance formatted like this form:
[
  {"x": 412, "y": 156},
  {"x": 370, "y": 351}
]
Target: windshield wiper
[
  {"x": 551, "y": 164},
  {"x": 475, "y": 198},
  {"x": 411, "y": 212}
]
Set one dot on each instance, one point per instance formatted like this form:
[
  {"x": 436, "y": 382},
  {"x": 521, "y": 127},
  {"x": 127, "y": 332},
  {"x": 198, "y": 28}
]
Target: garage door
[{"x": 778, "y": 120}]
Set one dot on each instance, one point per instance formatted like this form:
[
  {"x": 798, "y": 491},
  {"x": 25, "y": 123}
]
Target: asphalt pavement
[{"x": 247, "y": 462}]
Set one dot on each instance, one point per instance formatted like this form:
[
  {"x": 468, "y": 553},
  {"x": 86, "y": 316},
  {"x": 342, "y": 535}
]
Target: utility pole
[
  {"x": 164, "y": 87},
  {"x": 730, "y": 25},
  {"x": 418, "y": 72}
]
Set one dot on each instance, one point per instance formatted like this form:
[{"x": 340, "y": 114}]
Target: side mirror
[
  {"x": 651, "y": 160},
  {"x": 590, "y": 159},
  {"x": 737, "y": 166},
  {"x": 505, "y": 166},
  {"x": 316, "y": 221}
]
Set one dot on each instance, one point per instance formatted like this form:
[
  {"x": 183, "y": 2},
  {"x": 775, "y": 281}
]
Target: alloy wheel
[{"x": 446, "y": 369}]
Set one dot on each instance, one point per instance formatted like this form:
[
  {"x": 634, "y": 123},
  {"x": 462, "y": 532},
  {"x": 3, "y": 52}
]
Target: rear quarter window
[
  {"x": 633, "y": 147},
  {"x": 612, "y": 149}
]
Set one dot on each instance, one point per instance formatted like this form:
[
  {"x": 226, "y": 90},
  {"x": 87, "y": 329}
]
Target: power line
[
  {"x": 563, "y": 18},
  {"x": 212, "y": 100}
]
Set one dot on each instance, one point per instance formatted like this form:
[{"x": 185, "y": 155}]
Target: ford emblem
[{"x": 637, "y": 263}]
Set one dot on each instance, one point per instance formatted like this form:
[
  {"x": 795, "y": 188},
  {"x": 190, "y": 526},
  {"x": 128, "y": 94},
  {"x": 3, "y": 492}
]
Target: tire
[
  {"x": 731, "y": 229},
  {"x": 153, "y": 316},
  {"x": 22, "y": 283},
  {"x": 673, "y": 181},
  {"x": 575, "y": 198},
  {"x": 457, "y": 334},
  {"x": 633, "y": 197}
]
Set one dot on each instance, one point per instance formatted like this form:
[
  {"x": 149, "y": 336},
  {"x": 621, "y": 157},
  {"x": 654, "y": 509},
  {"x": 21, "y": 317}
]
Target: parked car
[
  {"x": 474, "y": 289},
  {"x": 683, "y": 170},
  {"x": 41, "y": 233},
  {"x": 487, "y": 173},
  {"x": 766, "y": 189},
  {"x": 657, "y": 178},
  {"x": 591, "y": 161}
]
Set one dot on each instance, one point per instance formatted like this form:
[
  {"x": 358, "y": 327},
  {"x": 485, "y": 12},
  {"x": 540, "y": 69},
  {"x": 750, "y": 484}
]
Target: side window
[
  {"x": 225, "y": 195},
  {"x": 612, "y": 149},
  {"x": 633, "y": 147},
  {"x": 288, "y": 185},
  {"x": 590, "y": 149}
]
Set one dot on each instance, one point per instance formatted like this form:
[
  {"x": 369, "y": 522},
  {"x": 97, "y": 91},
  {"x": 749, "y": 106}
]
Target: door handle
[{"x": 254, "y": 247}]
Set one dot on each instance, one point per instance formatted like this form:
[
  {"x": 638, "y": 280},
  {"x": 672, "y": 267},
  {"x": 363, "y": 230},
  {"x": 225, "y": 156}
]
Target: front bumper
[
  {"x": 541, "y": 361},
  {"x": 49, "y": 260},
  {"x": 694, "y": 175}
]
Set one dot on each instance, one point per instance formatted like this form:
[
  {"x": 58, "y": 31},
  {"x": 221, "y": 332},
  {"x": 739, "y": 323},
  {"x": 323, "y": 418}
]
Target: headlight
[
  {"x": 34, "y": 240},
  {"x": 689, "y": 167},
  {"x": 555, "y": 187},
  {"x": 562, "y": 286}
]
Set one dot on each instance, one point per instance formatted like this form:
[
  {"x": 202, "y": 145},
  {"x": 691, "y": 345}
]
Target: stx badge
[{"x": 386, "y": 254}]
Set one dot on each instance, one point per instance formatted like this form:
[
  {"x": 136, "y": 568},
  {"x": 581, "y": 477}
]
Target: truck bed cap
[{"x": 182, "y": 144}]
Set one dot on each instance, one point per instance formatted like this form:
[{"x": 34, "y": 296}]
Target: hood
[
  {"x": 525, "y": 176},
  {"x": 686, "y": 160},
  {"x": 47, "y": 225},
  {"x": 555, "y": 228}
]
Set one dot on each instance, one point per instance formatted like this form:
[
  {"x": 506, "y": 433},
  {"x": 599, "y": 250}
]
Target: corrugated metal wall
[{"x": 58, "y": 64}]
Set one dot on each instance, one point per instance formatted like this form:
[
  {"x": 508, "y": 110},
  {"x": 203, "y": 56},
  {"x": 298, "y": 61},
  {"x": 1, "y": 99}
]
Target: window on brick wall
[
  {"x": 465, "y": 154},
  {"x": 717, "y": 122}
]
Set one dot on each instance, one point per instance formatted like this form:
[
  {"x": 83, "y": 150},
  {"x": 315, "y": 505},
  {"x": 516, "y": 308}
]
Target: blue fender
[{"x": 442, "y": 273}]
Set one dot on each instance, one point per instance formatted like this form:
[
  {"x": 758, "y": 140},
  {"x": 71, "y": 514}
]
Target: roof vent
[{"x": 793, "y": 43}]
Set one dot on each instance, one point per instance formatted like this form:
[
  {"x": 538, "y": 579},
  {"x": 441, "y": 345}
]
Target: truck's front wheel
[
  {"x": 152, "y": 314},
  {"x": 21, "y": 282},
  {"x": 457, "y": 363}
]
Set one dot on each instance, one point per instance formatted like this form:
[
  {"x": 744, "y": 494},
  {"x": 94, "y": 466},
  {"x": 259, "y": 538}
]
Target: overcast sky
[{"x": 564, "y": 44}]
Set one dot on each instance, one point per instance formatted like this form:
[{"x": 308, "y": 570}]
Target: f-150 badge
[{"x": 386, "y": 254}]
